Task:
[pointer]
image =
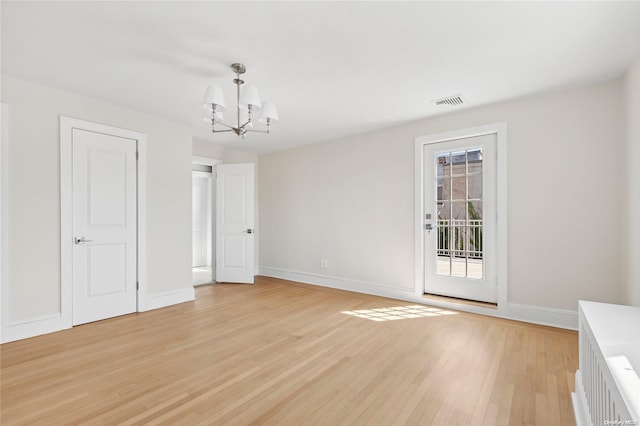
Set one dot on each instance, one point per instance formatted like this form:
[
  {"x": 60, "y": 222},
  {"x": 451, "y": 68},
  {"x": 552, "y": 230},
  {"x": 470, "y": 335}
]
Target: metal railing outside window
[{"x": 460, "y": 238}]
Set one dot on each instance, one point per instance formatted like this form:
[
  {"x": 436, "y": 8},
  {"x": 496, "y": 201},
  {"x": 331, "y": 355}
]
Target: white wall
[
  {"x": 631, "y": 105},
  {"x": 350, "y": 200},
  {"x": 208, "y": 149},
  {"x": 34, "y": 194}
]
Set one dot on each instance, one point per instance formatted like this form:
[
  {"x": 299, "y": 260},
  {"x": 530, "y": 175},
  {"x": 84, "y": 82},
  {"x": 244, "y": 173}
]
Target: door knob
[{"x": 80, "y": 240}]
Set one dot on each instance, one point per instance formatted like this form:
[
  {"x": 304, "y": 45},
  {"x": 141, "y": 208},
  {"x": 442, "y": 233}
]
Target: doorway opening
[{"x": 203, "y": 225}]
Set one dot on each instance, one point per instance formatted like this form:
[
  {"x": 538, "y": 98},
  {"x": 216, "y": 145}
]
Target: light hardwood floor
[{"x": 284, "y": 353}]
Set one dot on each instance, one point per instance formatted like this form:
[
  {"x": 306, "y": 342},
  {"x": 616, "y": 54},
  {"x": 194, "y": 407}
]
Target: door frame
[
  {"x": 67, "y": 124},
  {"x": 500, "y": 130}
]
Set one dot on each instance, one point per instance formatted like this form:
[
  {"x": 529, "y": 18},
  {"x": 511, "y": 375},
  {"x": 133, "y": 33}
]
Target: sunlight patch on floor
[{"x": 398, "y": 312}]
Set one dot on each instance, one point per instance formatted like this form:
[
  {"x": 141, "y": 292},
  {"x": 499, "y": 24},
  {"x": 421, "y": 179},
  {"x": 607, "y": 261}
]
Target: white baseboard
[
  {"x": 23, "y": 329},
  {"x": 544, "y": 316},
  {"x": 31, "y": 327},
  {"x": 338, "y": 283},
  {"x": 160, "y": 300},
  {"x": 533, "y": 314}
]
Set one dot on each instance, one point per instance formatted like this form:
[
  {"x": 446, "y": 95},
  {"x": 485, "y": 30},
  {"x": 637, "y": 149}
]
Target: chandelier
[{"x": 246, "y": 100}]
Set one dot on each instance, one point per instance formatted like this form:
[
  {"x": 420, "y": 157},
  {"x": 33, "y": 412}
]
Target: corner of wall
[
  {"x": 631, "y": 107},
  {"x": 628, "y": 184}
]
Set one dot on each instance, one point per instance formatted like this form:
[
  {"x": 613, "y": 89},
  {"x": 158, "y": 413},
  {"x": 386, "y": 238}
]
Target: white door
[
  {"x": 201, "y": 219},
  {"x": 104, "y": 226},
  {"x": 234, "y": 223},
  {"x": 460, "y": 218}
]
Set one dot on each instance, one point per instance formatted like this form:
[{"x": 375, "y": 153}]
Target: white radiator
[{"x": 607, "y": 381}]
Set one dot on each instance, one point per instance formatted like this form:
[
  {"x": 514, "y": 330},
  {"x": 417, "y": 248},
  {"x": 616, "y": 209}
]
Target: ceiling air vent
[{"x": 454, "y": 100}]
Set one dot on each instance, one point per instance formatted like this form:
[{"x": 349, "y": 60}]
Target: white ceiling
[{"x": 333, "y": 68}]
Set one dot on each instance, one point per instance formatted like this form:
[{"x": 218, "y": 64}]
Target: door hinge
[
  {"x": 137, "y": 285},
  {"x": 137, "y": 155}
]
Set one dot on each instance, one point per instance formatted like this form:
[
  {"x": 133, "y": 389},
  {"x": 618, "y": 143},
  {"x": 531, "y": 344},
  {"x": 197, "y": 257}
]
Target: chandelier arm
[
  {"x": 223, "y": 124},
  {"x": 246, "y": 123},
  {"x": 222, "y": 131},
  {"x": 258, "y": 131}
]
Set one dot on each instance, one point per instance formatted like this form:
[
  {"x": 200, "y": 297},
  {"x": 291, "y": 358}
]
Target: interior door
[
  {"x": 104, "y": 226},
  {"x": 235, "y": 223},
  {"x": 460, "y": 218},
  {"x": 201, "y": 219}
]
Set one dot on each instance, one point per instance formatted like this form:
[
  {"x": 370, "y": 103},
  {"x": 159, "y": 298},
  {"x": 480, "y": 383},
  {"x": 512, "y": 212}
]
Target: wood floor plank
[{"x": 286, "y": 353}]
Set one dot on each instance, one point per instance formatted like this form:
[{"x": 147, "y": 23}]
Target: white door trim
[
  {"x": 4, "y": 220},
  {"x": 500, "y": 129},
  {"x": 67, "y": 125},
  {"x": 205, "y": 161}
]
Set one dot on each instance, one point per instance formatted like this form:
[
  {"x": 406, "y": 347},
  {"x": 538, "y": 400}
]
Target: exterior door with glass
[{"x": 460, "y": 218}]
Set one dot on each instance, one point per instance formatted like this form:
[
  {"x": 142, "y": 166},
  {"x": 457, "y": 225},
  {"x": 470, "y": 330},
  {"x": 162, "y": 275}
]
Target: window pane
[
  {"x": 459, "y": 211},
  {"x": 443, "y": 233},
  {"x": 443, "y": 189},
  {"x": 474, "y": 189},
  {"x": 459, "y": 188},
  {"x": 458, "y": 163},
  {"x": 444, "y": 265},
  {"x": 458, "y": 267},
  {"x": 443, "y": 164},
  {"x": 474, "y": 161},
  {"x": 444, "y": 210},
  {"x": 475, "y": 242},
  {"x": 475, "y": 210},
  {"x": 458, "y": 239},
  {"x": 475, "y": 268}
]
